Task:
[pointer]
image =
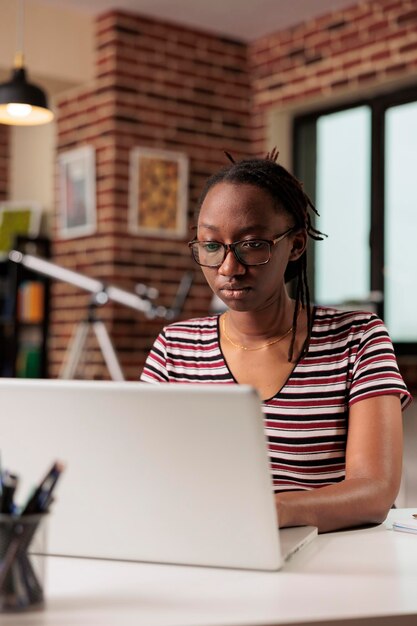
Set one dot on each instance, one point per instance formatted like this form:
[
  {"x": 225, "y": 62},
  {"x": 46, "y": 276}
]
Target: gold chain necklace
[{"x": 264, "y": 345}]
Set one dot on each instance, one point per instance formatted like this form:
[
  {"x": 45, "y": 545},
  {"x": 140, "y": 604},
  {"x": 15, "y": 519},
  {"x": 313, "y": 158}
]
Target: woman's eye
[
  {"x": 253, "y": 244},
  {"x": 211, "y": 246}
]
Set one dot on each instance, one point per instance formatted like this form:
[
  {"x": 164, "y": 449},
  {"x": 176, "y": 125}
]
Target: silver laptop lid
[{"x": 161, "y": 473}]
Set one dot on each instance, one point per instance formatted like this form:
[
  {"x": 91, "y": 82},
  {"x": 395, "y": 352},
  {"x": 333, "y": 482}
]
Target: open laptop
[{"x": 160, "y": 473}]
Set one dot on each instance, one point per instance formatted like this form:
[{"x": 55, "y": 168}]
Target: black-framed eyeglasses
[{"x": 247, "y": 252}]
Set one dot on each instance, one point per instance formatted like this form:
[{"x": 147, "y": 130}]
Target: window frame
[{"x": 378, "y": 105}]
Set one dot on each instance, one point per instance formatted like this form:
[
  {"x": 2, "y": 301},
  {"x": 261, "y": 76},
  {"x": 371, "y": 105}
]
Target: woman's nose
[{"x": 231, "y": 266}]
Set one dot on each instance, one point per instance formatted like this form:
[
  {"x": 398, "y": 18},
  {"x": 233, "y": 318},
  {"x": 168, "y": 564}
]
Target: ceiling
[{"x": 241, "y": 19}]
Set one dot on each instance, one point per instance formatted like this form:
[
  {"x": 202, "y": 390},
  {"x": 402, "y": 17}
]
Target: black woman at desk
[{"x": 329, "y": 382}]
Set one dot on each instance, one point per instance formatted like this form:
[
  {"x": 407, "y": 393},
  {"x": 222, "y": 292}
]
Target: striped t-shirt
[{"x": 350, "y": 358}]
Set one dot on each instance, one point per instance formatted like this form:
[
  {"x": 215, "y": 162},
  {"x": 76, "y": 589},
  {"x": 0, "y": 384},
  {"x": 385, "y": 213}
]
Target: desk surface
[{"x": 366, "y": 576}]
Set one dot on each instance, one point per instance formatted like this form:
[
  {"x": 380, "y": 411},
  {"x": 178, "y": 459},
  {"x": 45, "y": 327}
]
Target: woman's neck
[{"x": 260, "y": 325}]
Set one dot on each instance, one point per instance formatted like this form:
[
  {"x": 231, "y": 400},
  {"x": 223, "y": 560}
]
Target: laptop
[{"x": 157, "y": 473}]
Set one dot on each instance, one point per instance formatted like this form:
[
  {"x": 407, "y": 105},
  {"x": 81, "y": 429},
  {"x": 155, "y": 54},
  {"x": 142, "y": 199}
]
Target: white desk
[{"x": 356, "y": 577}]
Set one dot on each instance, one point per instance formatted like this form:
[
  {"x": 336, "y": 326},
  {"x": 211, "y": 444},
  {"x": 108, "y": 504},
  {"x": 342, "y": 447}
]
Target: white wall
[
  {"x": 408, "y": 492},
  {"x": 279, "y": 135},
  {"x": 58, "y": 44},
  {"x": 59, "y": 55},
  {"x": 32, "y": 151}
]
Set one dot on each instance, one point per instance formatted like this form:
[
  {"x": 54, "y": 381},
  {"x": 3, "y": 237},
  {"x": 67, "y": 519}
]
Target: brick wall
[
  {"x": 157, "y": 85},
  {"x": 4, "y": 161},
  {"x": 339, "y": 55}
]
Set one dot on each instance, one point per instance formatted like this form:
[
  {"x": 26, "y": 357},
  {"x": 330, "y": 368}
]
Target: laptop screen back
[{"x": 160, "y": 473}]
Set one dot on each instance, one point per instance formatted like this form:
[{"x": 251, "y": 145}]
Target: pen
[
  {"x": 9, "y": 482},
  {"x": 41, "y": 497}
]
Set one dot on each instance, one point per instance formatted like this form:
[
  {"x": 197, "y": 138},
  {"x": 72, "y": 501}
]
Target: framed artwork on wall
[
  {"x": 18, "y": 218},
  {"x": 158, "y": 193},
  {"x": 77, "y": 193}
]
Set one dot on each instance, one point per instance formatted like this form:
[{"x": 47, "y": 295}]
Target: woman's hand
[{"x": 373, "y": 473}]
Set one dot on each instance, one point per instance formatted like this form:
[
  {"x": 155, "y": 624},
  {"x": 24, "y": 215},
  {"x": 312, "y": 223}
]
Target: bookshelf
[{"x": 24, "y": 319}]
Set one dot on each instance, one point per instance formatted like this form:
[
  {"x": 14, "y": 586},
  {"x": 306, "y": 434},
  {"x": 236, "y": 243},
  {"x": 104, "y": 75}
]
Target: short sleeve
[
  {"x": 155, "y": 369},
  {"x": 375, "y": 371}
]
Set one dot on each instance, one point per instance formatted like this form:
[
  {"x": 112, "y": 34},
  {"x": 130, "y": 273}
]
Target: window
[
  {"x": 400, "y": 243},
  {"x": 345, "y": 215},
  {"x": 358, "y": 166}
]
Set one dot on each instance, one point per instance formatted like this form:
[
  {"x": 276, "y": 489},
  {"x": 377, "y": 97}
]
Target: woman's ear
[{"x": 299, "y": 243}]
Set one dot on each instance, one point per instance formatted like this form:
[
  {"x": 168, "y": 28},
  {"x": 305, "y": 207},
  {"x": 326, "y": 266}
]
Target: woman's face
[{"x": 233, "y": 212}]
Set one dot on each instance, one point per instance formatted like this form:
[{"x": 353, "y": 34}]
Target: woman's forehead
[
  {"x": 245, "y": 194},
  {"x": 243, "y": 203}
]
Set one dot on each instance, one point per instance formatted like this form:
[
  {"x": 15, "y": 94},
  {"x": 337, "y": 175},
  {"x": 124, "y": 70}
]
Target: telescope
[{"x": 101, "y": 294}]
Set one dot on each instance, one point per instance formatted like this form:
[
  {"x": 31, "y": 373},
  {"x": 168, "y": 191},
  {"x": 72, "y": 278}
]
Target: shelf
[{"x": 24, "y": 314}]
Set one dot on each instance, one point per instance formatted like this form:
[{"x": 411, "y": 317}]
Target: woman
[{"x": 329, "y": 381}]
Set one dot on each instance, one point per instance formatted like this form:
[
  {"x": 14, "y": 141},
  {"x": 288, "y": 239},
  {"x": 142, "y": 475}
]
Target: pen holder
[{"x": 21, "y": 575}]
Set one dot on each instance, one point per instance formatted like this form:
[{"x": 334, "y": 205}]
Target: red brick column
[{"x": 161, "y": 86}]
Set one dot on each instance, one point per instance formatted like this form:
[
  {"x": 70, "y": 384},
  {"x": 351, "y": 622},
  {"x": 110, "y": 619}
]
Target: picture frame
[
  {"x": 18, "y": 218},
  {"x": 158, "y": 193},
  {"x": 77, "y": 193}
]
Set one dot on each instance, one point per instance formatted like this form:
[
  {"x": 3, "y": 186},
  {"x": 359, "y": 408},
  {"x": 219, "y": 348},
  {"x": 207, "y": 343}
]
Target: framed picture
[
  {"x": 158, "y": 192},
  {"x": 77, "y": 192},
  {"x": 18, "y": 218}
]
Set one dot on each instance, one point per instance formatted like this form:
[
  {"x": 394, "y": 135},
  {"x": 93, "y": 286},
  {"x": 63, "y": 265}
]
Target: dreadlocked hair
[{"x": 288, "y": 195}]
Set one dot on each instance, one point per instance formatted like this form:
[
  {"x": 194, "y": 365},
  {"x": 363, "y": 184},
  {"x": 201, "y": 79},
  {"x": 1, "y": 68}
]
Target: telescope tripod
[
  {"x": 102, "y": 296},
  {"x": 78, "y": 343}
]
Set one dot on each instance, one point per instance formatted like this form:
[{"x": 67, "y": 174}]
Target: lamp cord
[{"x": 20, "y": 37}]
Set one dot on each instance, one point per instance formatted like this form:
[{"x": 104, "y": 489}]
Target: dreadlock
[{"x": 287, "y": 193}]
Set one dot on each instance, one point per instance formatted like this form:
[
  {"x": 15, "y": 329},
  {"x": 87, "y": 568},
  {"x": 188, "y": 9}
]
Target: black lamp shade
[{"x": 19, "y": 91}]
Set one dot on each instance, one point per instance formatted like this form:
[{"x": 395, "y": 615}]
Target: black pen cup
[{"x": 21, "y": 572}]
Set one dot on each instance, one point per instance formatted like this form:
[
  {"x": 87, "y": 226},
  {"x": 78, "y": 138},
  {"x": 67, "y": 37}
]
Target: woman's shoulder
[
  {"x": 336, "y": 322},
  {"x": 325, "y": 315}
]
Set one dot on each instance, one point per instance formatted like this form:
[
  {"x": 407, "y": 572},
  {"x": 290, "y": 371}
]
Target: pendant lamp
[{"x": 22, "y": 103}]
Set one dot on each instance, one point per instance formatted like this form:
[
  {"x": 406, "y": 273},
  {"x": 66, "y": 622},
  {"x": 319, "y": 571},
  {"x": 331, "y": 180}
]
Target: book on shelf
[
  {"x": 30, "y": 301},
  {"x": 29, "y": 353},
  {"x": 29, "y": 362}
]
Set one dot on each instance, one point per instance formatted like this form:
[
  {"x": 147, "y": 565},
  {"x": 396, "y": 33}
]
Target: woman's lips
[{"x": 234, "y": 291}]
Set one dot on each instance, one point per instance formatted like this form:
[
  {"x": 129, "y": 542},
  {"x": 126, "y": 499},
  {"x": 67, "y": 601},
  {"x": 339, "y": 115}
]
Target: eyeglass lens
[{"x": 212, "y": 253}]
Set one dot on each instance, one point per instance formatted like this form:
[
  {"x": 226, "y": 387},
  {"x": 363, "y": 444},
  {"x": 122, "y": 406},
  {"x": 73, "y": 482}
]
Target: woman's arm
[{"x": 373, "y": 473}]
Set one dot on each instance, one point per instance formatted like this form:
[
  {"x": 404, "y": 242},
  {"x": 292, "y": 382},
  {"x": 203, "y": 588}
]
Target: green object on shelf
[
  {"x": 29, "y": 362},
  {"x": 13, "y": 222}
]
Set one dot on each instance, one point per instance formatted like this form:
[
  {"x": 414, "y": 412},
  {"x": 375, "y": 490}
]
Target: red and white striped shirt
[{"x": 350, "y": 358}]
